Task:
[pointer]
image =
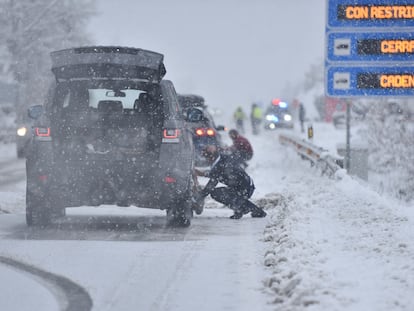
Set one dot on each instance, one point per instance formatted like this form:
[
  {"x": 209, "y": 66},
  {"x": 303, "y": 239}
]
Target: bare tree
[
  {"x": 30, "y": 30},
  {"x": 390, "y": 132}
]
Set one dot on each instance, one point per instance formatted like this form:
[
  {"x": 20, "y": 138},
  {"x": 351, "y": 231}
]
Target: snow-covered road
[
  {"x": 147, "y": 266},
  {"x": 127, "y": 259},
  {"x": 328, "y": 244}
]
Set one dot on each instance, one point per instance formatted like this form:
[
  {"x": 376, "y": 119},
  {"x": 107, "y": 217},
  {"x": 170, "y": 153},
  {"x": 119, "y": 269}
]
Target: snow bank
[{"x": 336, "y": 245}]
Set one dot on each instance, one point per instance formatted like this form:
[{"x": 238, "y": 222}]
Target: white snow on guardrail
[{"x": 318, "y": 156}]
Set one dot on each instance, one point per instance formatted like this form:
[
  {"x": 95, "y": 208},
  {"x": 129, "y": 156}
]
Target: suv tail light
[
  {"x": 42, "y": 131},
  {"x": 171, "y": 136},
  {"x": 210, "y": 132},
  {"x": 42, "y": 134}
]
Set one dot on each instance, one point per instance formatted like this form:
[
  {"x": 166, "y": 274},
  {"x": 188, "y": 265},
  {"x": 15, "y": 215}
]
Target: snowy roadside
[
  {"x": 338, "y": 246},
  {"x": 333, "y": 244},
  {"x": 13, "y": 197}
]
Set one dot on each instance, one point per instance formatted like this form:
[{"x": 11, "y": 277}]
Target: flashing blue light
[{"x": 283, "y": 105}]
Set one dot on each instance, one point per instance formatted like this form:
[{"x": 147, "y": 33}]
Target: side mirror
[
  {"x": 34, "y": 112},
  {"x": 220, "y": 128},
  {"x": 194, "y": 115}
]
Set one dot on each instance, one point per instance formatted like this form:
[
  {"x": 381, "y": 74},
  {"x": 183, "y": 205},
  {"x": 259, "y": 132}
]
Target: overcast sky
[{"x": 230, "y": 51}]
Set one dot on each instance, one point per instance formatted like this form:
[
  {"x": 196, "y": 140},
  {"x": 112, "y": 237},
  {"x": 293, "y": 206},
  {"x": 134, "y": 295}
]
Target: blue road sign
[
  {"x": 372, "y": 47},
  {"x": 370, "y": 13},
  {"x": 349, "y": 81}
]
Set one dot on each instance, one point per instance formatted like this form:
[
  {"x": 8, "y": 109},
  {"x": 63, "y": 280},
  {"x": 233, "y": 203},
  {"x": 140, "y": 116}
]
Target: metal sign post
[{"x": 348, "y": 136}]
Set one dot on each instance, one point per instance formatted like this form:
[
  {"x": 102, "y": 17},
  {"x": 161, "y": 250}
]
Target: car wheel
[
  {"x": 20, "y": 153},
  {"x": 37, "y": 210},
  {"x": 179, "y": 213},
  {"x": 40, "y": 211}
]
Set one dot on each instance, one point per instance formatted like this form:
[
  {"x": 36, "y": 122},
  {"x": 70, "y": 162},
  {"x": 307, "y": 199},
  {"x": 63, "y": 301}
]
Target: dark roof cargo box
[{"x": 100, "y": 62}]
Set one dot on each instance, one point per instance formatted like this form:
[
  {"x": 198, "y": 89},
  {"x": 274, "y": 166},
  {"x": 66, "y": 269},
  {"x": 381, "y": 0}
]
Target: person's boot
[
  {"x": 238, "y": 205},
  {"x": 236, "y": 215},
  {"x": 245, "y": 208},
  {"x": 258, "y": 213}
]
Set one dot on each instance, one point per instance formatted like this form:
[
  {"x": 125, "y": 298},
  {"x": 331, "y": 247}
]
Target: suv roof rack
[{"x": 108, "y": 62}]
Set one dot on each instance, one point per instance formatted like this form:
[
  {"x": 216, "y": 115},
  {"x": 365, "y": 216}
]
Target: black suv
[
  {"x": 111, "y": 132},
  {"x": 205, "y": 131}
]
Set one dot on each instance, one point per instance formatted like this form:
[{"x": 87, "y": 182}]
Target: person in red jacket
[{"x": 241, "y": 150}]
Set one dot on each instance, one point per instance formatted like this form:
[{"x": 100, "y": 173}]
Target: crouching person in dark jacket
[{"x": 239, "y": 185}]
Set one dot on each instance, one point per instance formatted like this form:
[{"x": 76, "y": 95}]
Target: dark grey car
[
  {"x": 204, "y": 131},
  {"x": 111, "y": 132}
]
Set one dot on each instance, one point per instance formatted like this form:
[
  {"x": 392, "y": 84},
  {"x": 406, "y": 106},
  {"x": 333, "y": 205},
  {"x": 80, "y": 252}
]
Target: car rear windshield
[
  {"x": 81, "y": 96},
  {"x": 128, "y": 99}
]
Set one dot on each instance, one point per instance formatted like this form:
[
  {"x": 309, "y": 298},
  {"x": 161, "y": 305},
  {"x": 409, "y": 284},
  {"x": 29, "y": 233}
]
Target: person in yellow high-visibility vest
[
  {"x": 256, "y": 117},
  {"x": 239, "y": 116}
]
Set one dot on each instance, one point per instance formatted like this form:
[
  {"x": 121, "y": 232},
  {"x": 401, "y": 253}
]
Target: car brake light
[
  {"x": 42, "y": 131},
  {"x": 199, "y": 132},
  {"x": 205, "y": 132},
  {"x": 211, "y": 132}
]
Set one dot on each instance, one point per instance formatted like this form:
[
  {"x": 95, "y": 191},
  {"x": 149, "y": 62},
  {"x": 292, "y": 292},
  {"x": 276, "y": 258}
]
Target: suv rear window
[
  {"x": 94, "y": 96},
  {"x": 97, "y": 95}
]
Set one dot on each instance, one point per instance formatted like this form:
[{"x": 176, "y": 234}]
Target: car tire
[
  {"x": 180, "y": 214},
  {"x": 20, "y": 153},
  {"x": 40, "y": 211},
  {"x": 37, "y": 210}
]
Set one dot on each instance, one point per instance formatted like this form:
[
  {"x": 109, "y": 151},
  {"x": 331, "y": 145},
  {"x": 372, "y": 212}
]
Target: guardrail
[{"x": 316, "y": 155}]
